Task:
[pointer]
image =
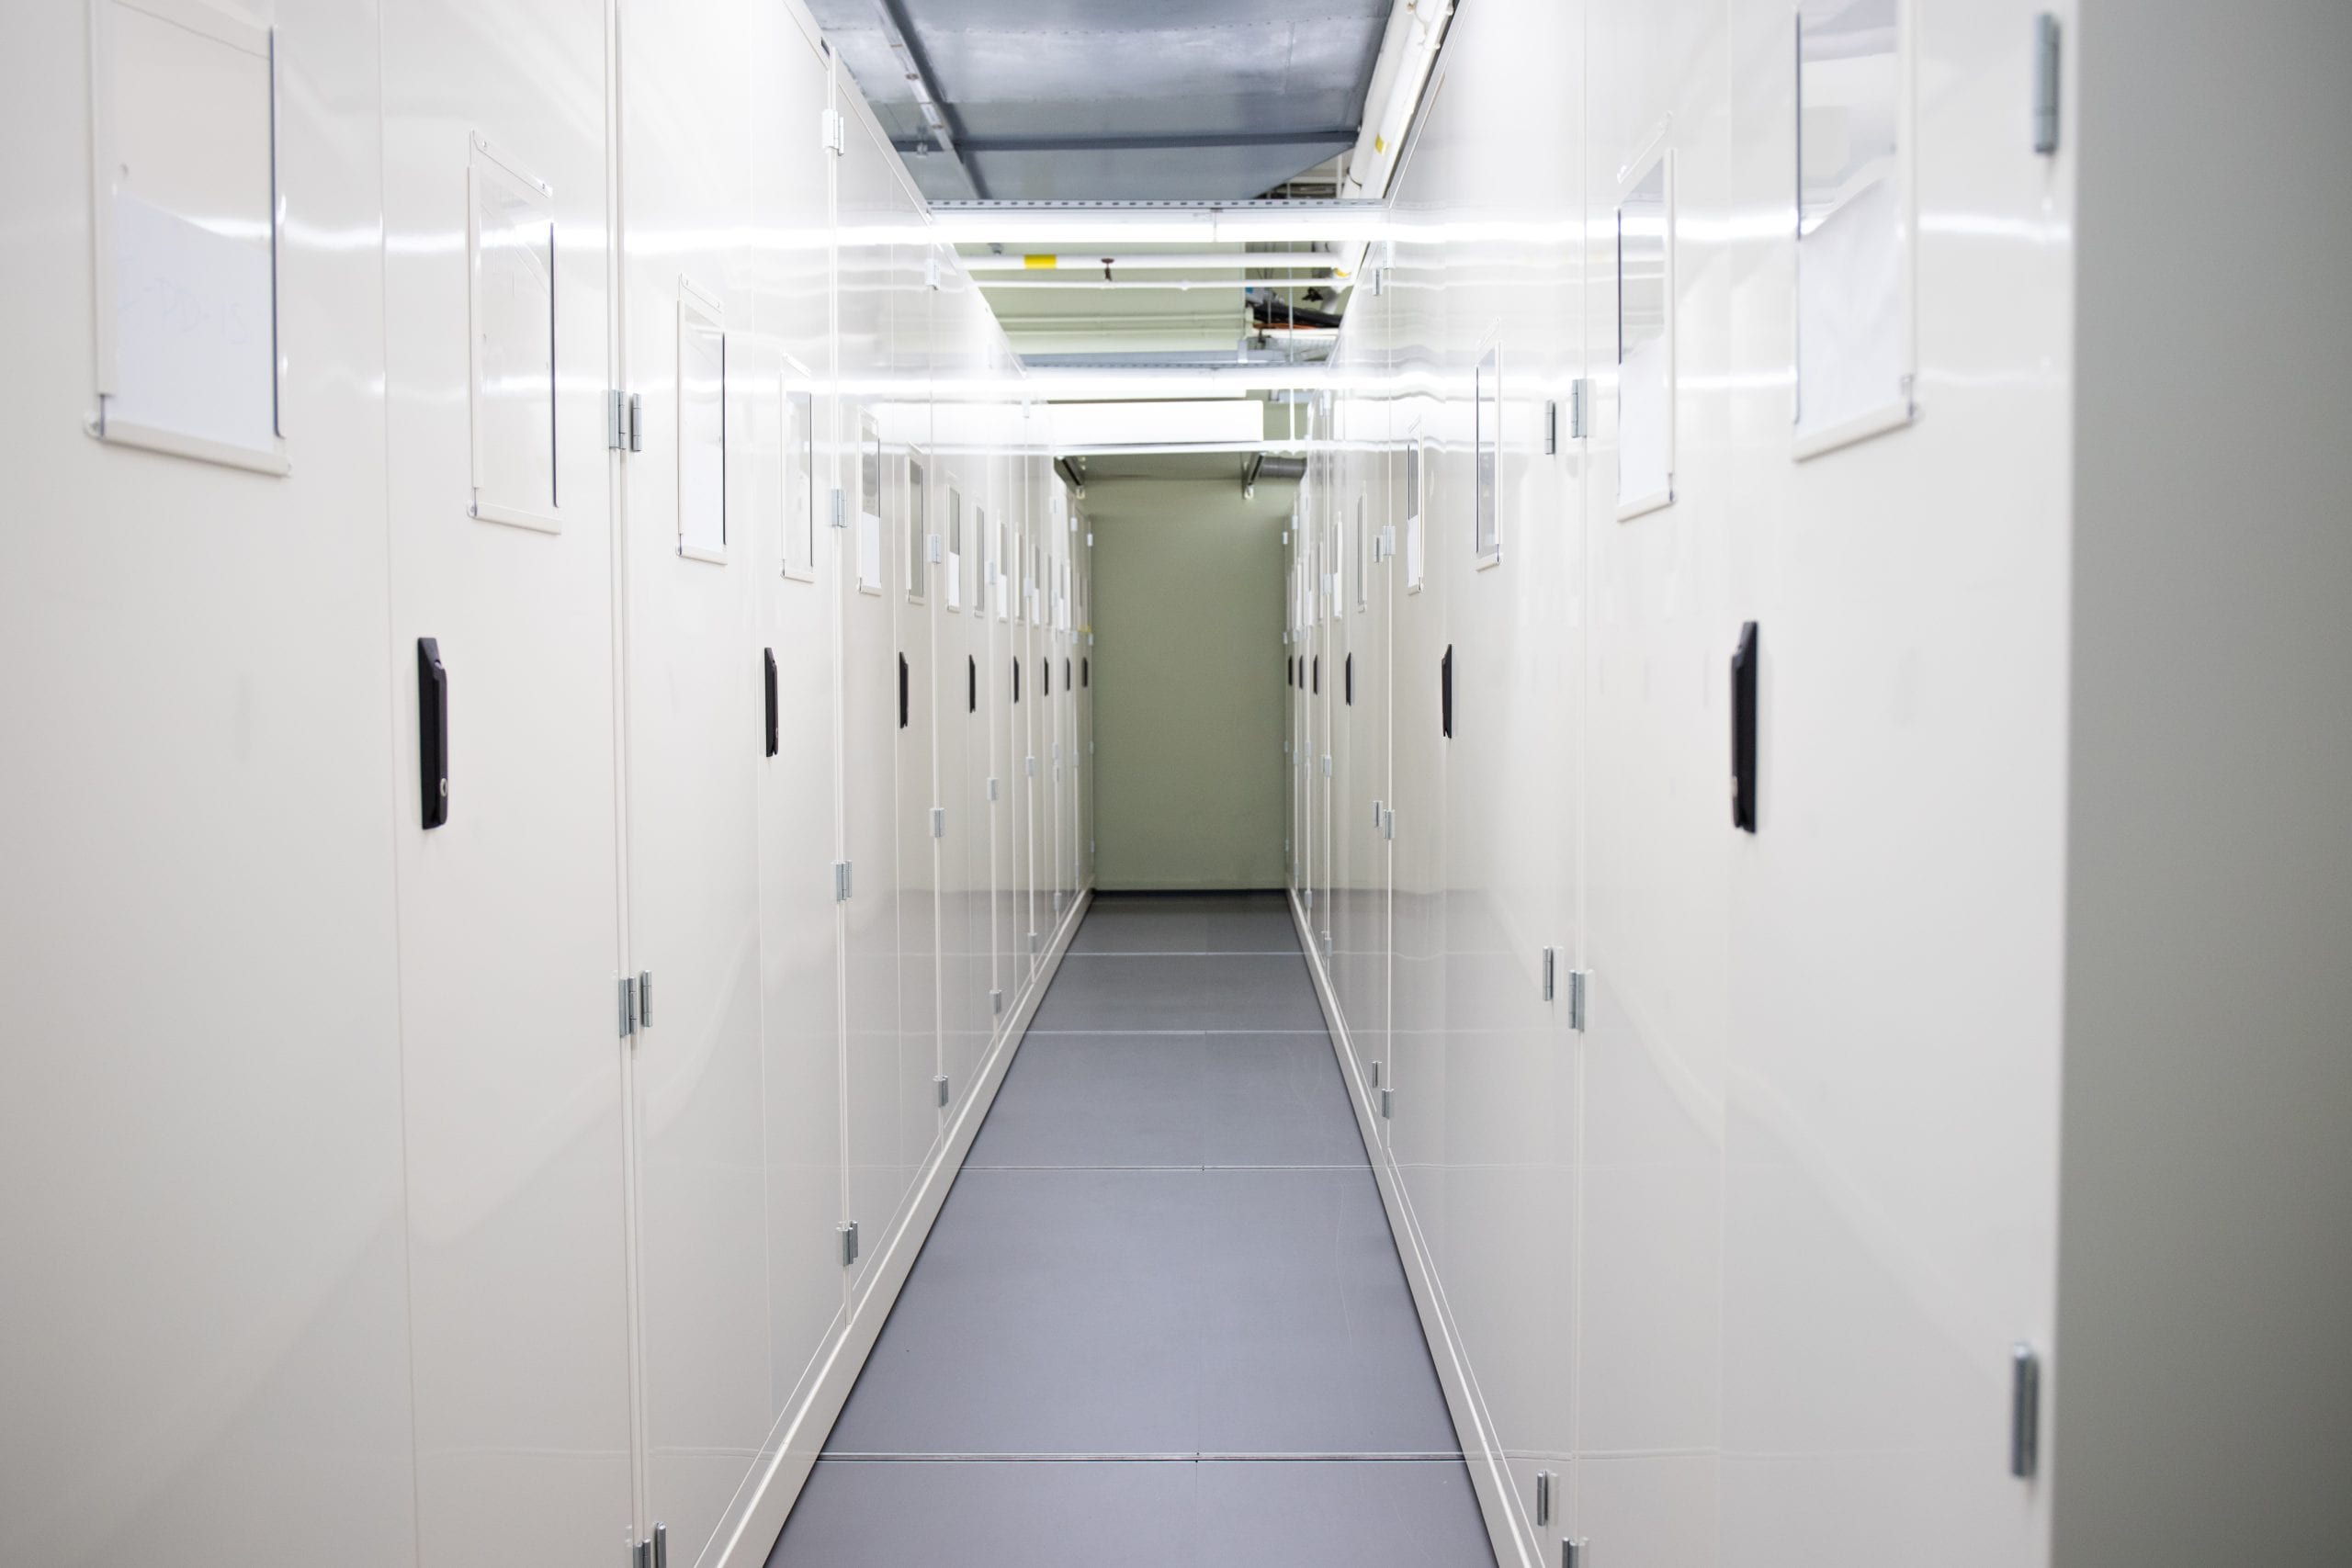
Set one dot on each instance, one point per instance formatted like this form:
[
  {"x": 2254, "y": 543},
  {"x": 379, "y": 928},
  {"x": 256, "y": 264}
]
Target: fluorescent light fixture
[{"x": 1077, "y": 426}]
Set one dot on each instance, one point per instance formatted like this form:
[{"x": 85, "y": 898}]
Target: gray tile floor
[{"x": 1160, "y": 1320}]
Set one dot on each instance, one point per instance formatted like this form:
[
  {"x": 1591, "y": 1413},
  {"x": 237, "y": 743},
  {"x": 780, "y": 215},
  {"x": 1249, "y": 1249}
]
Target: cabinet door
[
  {"x": 696, "y": 707},
  {"x": 502, "y": 553}
]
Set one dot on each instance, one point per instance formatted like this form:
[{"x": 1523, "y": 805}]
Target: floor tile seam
[
  {"x": 1402, "y": 1456},
  {"x": 1319, "y": 1033},
  {"x": 1202, "y": 1168}
]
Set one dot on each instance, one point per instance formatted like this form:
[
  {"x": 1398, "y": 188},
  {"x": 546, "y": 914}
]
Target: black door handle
[
  {"x": 1445, "y": 693},
  {"x": 767, "y": 656},
  {"x": 971, "y": 683},
  {"x": 1744, "y": 661},
  {"x": 1086, "y": 674},
  {"x": 1348, "y": 673},
  {"x": 1064, "y": 673},
  {"x": 1318, "y": 677},
  {"x": 1045, "y": 674},
  {"x": 1016, "y": 680},
  {"x": 432, "y": 731},
  {"x": 903, "y": 690}
]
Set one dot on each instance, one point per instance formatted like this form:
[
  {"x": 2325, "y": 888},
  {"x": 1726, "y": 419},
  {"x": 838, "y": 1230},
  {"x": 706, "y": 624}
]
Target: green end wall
[{"x": 1188, "y": 673}]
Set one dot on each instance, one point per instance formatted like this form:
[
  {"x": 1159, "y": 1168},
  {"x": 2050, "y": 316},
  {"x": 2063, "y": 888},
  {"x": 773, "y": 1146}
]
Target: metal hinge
[
  {"x": 939, "y": 821},
  {"x": 1090, "y": 538},
  {"x": 1550, "y": 977},
  {"x": 1388, "y": 1104},
  {"x": 848, "y": 1229},
  {"x": 935, "y": 549},
  {"x": 2045, "y": 84},
  {"x": 1035, "y": 941},
  {"x": 931, "y": 270},
  {"x": 654, "y": 1551},
  {"x": 940, "y": 1083},
  {"x": 1031, "y": 762},
  {"x": 1388, "y": 823},
  {"x": 1551, "y": 428},
  {"x": 1572, "y": 1555},
  {"x": 840, "y": 882},
  {"x": 624, "y": 421},
  {"x": 645, "y": 998},
  {"x": 1579, "y": 998},
  {"x": 1375, "y": 1074},
  {"x": 1544, "y": 1481},
  {"x": 1327, "y": 764},
  {"x": 996, "y": 1004},
  {"x": 832, "y": 131},
  {"x": 628, "y": 1006},
  {"x": 1580, "y": 408},
  {"x": 1310, "y": 898},
  {"x": 992, "y": 789},
  {"x": 2025, "y": 1411},
  {"x": 837, "y": 513},
  {"x": 1388, "y": 541}
]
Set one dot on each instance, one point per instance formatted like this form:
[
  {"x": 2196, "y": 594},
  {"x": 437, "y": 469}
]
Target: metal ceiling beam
[
  {"x": 947, "y": 125},
  {"x": 1147, "y": 142},
  {"x": 1078, "y": 223}
]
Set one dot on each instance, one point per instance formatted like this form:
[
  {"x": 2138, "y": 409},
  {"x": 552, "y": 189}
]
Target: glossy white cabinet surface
[
  {"x": 373, "y": 1226},
  {"x": 514, "y": 1066},
  {"x": 1742, "y": 1258},
  {"x": 206, "y": 1297}
]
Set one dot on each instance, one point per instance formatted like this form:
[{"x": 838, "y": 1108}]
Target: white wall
[
  {"x": 2204, "y": 1393},
  {"x": 349, "y": 1227}
]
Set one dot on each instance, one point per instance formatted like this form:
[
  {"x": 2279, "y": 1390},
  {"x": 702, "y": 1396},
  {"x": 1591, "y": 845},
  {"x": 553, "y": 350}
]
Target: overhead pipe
[{"x": 1407, "y": 53}]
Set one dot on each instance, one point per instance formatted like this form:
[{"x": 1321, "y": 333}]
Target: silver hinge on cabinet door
[
  {"x": 1388, "y": 541},
  {"x": 939, "y": 821},
  {"x": 2045, "y": 84},
  {"x": 935, "y": 549},
  {"x": 640, "y": 1553},
  {"x": 624, "y": 421},
  {"x": 1579, "y": 998},
  {"x": 1545, "y": 1481},
  {"x": 1388, "y": 823},
  {"x": 1388, "y": 1104},
  {"x": 1550, "y": 986},
  {"x": 1375, "y": 817},
  {"x": 996, "y": 1004},
  {"x": 931, "y": 270},
  {"x": 661, "y": 1545},
  {"x": 1375, "y": 1074},
  {"x": 840, "y": 882},
  {"x": 1572, "y": 1555},
  {"x": 1310, "y": 898},
  {"x": 1580, "y": 408},
  {"x": 832, "y": 131},
  {"x": 838, "y": 508},
  {"x": 2025, "y": 1411},
  {"x": 940, "y": 1083},
  {"x": 1032, "y": 761},
  {"x": 645, "y": 998},
  {"x": 1551, "y": 428},
  {"x": 1327, "y": 764},
  {"x": 1090, "y": 538},
  {"x": 848, "y": 1229},
  {"x": 992, "y": 789},
  {"x": 628, "y": 1006}
]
